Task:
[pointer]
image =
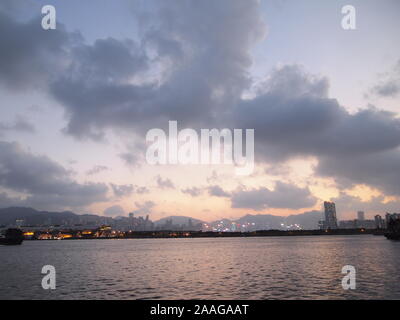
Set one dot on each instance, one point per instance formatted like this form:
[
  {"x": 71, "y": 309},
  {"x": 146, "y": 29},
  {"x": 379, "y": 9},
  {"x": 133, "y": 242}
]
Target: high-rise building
[
  {"x": 360, "y": 216},
  {"x": 379, "y": 222},
  {"x": 387, "y": 218},
  {"x": 330, "y": 215}
]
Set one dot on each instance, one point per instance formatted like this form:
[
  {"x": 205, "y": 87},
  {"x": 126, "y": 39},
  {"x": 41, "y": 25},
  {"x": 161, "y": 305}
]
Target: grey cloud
[
  {"x": 144, "y": 208},
  {"x": 283, "y": 196},
  {"x": 217, "y": 191},
  {"x": 45, "y": 182},
  {"x": 107, "y": 60},
  {"x": 209, "y": 45},
  {"x": 7, "y": 201},
  {"x": 303, "y": 122},
  {"x": 20, "y": 124},
  {"x": 388, "y": 89},
  {"x": 380, "y": 170},
  {"x": 376, "y": 205},
  {"x": 95, "y": 87},
  {"x": 361, "y": 147},
  {"x": 194, "y": 191},
  {"x": 389, "y": 83},
  {"x": 122, "y": 190},
  {"x": 29, "y": 56},
  {"x": 97, "y": 169},
  {"x": 135, "y": 154},
  {"x": 130, "y": 158},
  {"x": 13, "y": 6},
  {"x": 352, "y": 148},
  {"x": 203, "y": 50},
  {"x": 125, "y": 190},
  {"x": 115, "y": 210},
  {"x": 165, "y": 46},
  {"x": 164, "y": 183},
  {"x": 142, "y": 190}
]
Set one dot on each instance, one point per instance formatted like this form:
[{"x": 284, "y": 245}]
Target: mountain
[
  {"x": 9, "y": 215},
  {"x": 33, "y": 217},
  {"x": 307, "y": 220},
  {"x": 263, "y": 221}
]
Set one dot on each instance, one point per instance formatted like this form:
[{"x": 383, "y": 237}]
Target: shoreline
[{"x": 211, "y": 234}]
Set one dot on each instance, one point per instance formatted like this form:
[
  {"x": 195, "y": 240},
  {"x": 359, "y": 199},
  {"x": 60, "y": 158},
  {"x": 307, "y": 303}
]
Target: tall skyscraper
[
  {"x": 360, "y": 216},
  {"x": 379, "y": 222},
  {"x": 330, "y": 215},
  {"x": 387, "y": 218}
]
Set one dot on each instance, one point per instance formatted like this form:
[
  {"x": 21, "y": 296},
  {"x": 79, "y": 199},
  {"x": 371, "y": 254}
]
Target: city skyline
[
  {"x": 77, "y": 103},
  {"x": 28, "y": 218}
]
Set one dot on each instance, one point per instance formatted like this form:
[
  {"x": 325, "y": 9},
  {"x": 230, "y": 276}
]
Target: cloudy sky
[{"x": 76, "y": 103}]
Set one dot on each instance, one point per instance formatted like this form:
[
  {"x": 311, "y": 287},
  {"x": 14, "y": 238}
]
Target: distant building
[
  {"x": 330, "y": 215},
  {"x": 379, "y": 222},
  {"x": 356, "y": 224},
  {"x": 19, "y": 223},
  {"x": 360, "y": 216},
  {"x": 348, "y": 224}
]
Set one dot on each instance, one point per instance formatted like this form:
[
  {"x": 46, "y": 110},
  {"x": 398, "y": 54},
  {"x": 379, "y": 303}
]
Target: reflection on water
[{"x": 229, "y": 268}]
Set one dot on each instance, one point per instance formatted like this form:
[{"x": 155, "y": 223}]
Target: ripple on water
[{"x": 235, "y": 268}]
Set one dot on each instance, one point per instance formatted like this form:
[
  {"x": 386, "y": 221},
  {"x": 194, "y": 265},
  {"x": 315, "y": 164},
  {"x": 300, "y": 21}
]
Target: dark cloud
[
  {"x": 14, "y": 6},
  {"x": 96, "y": 88},
  {"x": 45, "y": 183},
  {"x": 207, "y": 43},
  {"x": 217, "y": 191},
  {"x": 191, "y": 63},
  {"x": 294, "y": 117},
  {"x": 346, "y": 203},
  {"x": 283, "y": 196},
  {"x": 380, "y": 170},
  {"x": 29, "y": 56}
]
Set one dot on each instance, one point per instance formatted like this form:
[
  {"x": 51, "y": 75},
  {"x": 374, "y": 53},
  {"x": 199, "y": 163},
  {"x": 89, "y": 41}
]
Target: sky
[{"x": 76, "y": 104}]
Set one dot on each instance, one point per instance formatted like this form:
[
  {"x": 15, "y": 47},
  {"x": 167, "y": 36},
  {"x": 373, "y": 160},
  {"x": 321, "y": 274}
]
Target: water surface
[{"x": 211, "y": 268}]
